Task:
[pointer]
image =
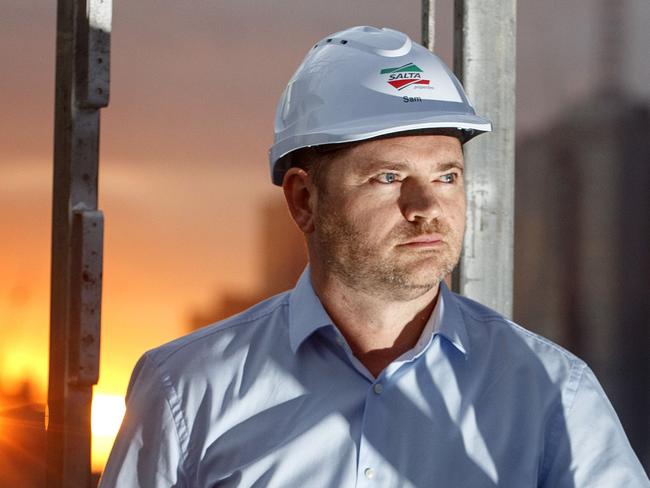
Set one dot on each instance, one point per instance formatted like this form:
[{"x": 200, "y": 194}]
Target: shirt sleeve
[
  {"x": 147, "y": 451},
  {"x": 590, "y": 448}
]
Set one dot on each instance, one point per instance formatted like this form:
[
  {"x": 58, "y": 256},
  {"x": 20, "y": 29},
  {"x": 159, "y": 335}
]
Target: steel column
[
  {"x": 82, "y": 81},
  {"x": 429, "y": 24},
  {"x": 484, "y": 61}
]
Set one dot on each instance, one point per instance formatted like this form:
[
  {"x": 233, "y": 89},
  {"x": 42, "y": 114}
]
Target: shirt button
[
  {"x": 378, "y": 388},
  {"x": 369, "y": 473}
]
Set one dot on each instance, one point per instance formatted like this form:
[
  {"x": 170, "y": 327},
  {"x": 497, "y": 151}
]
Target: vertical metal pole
[
  {"x": 484, "y": 59},
  {"x": 82, "y": 81},
  {"x": 429, "y": 24}
]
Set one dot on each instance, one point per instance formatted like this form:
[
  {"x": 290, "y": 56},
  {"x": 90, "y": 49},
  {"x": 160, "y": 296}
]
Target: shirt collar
[
  {"x": 307, "y": 314},
  {"x": 452, "y": 325}
]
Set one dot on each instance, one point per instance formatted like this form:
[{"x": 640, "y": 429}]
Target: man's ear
[{"x": 299, "y": 191}]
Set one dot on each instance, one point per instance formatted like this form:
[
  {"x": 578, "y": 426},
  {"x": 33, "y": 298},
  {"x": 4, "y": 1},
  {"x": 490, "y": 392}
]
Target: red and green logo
[{"x": 403, "y": 76}]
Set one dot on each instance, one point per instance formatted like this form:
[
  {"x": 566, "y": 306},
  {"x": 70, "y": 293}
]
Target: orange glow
[
  {"x": 172, "y": 245},
  {"x": 106, "y": 417}
]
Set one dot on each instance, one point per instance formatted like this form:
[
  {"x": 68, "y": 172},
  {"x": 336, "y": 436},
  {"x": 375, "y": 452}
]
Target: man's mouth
[{"x": 423, "y": 241}]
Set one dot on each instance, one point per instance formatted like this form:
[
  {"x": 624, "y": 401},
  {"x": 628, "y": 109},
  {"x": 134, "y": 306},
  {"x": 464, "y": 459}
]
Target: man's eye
[
  {"x": 448, "y": 178},
  {"x": 387, "y": 178}
]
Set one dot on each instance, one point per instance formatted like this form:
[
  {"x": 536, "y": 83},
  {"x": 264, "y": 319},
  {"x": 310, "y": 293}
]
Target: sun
[{"x": 106, "y": 417}]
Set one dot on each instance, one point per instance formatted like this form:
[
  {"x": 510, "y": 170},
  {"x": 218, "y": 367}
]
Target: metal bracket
[
  {"x": 86, "y": 295},
  {"x": 94, "y": 46}
]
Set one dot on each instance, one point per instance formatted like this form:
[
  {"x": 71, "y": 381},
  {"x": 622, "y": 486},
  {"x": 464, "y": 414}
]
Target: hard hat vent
[
  {"x": 384, "y": 42},
  {"x": 343, "y": 42}
]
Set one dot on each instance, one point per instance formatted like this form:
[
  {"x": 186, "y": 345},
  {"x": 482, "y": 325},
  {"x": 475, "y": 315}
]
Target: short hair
[{"x": 314, "y": 160}]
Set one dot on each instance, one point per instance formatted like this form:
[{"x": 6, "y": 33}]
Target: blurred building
[
  {"x": 582, "y": 232},
  {"x": 282, "y": 256},
  {"x": 582, "y": 244},
  {"x": 22, "y": 439}
]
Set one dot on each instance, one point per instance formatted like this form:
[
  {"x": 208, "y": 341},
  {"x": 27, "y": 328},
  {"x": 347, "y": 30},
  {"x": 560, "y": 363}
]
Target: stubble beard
[{"x": 398, "y": 274}]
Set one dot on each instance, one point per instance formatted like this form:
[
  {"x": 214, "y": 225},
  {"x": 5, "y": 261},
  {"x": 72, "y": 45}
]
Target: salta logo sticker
[{"x": 403, "y": 76}]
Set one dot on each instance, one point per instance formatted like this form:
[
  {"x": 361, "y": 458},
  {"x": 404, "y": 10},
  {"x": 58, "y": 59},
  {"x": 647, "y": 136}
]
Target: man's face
[{"x": 389, "y": 216}]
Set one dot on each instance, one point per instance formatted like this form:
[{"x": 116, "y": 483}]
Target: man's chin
[
  {"x": 430, "y": 268},
  {"x": 407, "y": 289},
  {"x": 413, "y": 281}
]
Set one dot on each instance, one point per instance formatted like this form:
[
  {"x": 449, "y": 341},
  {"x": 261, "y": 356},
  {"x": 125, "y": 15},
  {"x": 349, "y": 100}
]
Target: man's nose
[{"x": 418, "y": 200}]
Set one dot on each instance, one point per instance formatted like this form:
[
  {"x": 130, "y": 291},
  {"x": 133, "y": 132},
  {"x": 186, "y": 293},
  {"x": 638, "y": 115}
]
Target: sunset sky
[{"x": 184, "y": 143}]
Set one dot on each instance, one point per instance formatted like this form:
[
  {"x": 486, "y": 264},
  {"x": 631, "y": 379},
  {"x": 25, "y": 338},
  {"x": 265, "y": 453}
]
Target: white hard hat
[{"x": 366, "y": 82}]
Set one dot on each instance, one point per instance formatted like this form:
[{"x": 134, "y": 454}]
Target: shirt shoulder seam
[
  {"x": 503, "y": 321},
  {"x": 576, "y": 376},
  {"x": 216, "y": 329},
  {"x": 560, "y": 414},
  {"x": 543, "y": 340},
  {"x": 173, "y": 403}
]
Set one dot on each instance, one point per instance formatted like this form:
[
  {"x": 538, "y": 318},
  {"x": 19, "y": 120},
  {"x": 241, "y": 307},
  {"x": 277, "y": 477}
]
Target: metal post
[
  {"x": 82, "y": 82},
  {"x": 429, "y": 24},
  {"x": 484, "y": 59}
]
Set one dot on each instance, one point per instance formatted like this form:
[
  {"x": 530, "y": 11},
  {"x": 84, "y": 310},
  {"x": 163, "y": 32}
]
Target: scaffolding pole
[
  {"x": 484, "y": 61},
  {"x": 429, "y": 24},
  {"x": 82, "y": 88}
]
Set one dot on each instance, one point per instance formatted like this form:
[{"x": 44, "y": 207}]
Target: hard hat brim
[{"x": 470, "y": 125}]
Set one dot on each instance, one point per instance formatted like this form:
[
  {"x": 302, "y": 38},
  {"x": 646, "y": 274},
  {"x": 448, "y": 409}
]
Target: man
[{"x": 370, "y": 372}]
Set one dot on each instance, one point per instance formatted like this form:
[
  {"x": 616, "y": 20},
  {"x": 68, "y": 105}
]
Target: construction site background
[{"x": 195, "y": 232}]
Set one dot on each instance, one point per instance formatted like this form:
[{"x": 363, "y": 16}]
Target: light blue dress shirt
[{"x": 273, "y": 397}]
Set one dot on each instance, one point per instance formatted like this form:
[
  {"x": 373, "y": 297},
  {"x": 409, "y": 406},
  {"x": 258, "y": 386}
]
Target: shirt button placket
[{"x": 368, "y": 460}]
